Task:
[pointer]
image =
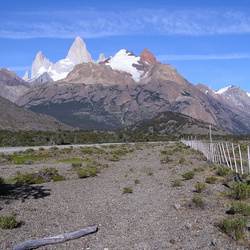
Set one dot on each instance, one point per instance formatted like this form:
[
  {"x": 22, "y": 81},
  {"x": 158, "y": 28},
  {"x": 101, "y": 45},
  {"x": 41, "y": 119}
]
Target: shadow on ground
[{"x": 9, "y": 192}]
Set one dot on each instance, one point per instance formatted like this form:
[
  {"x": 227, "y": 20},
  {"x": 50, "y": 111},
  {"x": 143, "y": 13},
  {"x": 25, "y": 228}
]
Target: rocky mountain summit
[{"x": 78, "y": 53}]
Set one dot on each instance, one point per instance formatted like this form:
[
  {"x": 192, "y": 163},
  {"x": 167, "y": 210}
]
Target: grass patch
[
  {"x": 234, "y": 227},
  {"x": 88, "y": 172},
  {"x": 188, "y": 175},
  {"x": 137, "y": 181},
  {"x": 44, "y": 175},
  {"x": 176, "y": 183},
  {"x": 23, "y": 159},
  {"x": 223, "y": 171},
  {"x": 9, "y": 222},
  {"x": 240, "y": 191},
  {"x": 200, "y": 187},
  {"x": 197, "y": 201},
  {"x": 127, "y": 190},
  {"x": 241, "y": 208},
  {"x": 211, "y": 180}
]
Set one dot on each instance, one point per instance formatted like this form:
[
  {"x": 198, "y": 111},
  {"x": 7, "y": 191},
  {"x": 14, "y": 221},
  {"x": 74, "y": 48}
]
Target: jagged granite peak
[
  {"x": 78, "y": 52},
  {"x": 147, "y": 57},
  {"x": 40, "y": 65},
  {"x": 26, "y": 76},
  {"x": 101, "y": 58},
  {"x": 11, "y": 85}
]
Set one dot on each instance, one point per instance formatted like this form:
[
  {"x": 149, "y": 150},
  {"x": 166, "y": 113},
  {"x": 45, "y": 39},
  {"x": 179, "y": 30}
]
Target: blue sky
[{"x": 207, "y": 41}]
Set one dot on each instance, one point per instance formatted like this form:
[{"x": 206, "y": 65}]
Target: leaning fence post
[
  {"x": 225, "y": 156},
  {"x": 248, "y": 156},
  {"x": 236, "y": 169},
  {"x": 241, "y": 163},
  {"x": 229, "y": 157}
]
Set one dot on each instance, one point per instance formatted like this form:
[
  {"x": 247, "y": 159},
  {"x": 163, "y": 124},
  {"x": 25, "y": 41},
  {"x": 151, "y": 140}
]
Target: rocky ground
[{"x": 156, "y": 215}]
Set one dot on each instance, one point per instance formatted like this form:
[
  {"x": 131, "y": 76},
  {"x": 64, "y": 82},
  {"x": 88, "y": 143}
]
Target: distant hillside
[
  {"x": 14, "y": 118},
  {"x": 175, "y": 124}
]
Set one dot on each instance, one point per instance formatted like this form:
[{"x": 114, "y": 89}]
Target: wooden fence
[{"x": 234, "y": 156}]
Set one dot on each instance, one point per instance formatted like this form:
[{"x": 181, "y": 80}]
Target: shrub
[
  {"x": 240, "y": 191},
  {"x": 211, "y": 180},
  {"x": 137, "y": 181},
  {"x": 234, "y": 227},
  {"x": 176, "y": 183},
  {"x": 182, "y": 160},
  {"x": 197, "y": 201},
  {"x": 127, "y": 190},
  {"x": 200, "y": 187},
  {"x": 223, "y": 171},
  {"x": 188, "y": 175},
  {"x": 88, "y": 172},
  {"x": 9, "y": 222},
  {"x": 240, "y": 208},
  {"x": 76, "y": 165},
  {"x": 1, "y": 180}
]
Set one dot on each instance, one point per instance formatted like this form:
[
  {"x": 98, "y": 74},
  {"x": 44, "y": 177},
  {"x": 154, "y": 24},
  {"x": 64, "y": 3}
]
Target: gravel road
[{"x": 154, "y": 216}]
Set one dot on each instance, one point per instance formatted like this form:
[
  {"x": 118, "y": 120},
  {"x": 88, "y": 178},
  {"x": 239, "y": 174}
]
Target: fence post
[
  {"x": 248, "y": 156},
  {"x": 235, "y": 163},
  {"x": 229, "y": 157},
  {"x": 241, "y": 163},
  {"x": 225, "y": 156}
]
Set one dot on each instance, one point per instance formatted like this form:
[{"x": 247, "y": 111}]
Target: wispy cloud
[
  {"x": 163, "y": 58},
  {"x": 19, "y": 68},
  {"x": 91, "y": 23}
]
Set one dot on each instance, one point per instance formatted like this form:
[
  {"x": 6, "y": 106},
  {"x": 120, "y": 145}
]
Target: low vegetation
[
  {"x": 9, "y": 222},
  {"x": 234, "y": 227},
  {"x": 188, "y": 175},
  {"x": 127, "y": 190}
]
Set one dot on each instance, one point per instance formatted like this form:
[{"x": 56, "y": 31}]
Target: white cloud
[{"x": 91, "y": 23}]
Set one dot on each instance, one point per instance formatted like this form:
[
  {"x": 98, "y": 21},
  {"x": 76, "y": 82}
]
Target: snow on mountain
[
  {"x": 78, "y": 53},
  {"x": 222, "y": 90},
  {"x": 124, "y": 61}
]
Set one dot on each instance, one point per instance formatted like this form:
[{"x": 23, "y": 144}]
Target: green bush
[
  {"x": 197, "y": 201},
  {"x": 240, "y": 191},
  {"x": 182, "y": 160},
  {"x": 127, "y": 190},
  {"x": 234, "y": 227},
  {"x": 9, "y": 222},
  {"x": 211, "y": 180},
  {"x": 137, "y": 181},
  {"x": 223, "y": 171},
  {"x": 188, "y": 175},
  {"x": 200, "y": 187},
  {"x": 76, "y": 165},
  {"x": 240, "y": 208},
  {"x": 176, "y": 183},
  {"x": 88, "y": 172}
]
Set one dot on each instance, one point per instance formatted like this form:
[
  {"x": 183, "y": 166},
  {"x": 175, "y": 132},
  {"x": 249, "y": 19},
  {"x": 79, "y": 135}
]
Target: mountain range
[{"x": 122, "y": 90}]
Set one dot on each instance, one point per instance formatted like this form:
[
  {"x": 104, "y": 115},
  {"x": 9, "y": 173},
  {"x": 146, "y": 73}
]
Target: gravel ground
[{"x": 155, "y": 216}]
